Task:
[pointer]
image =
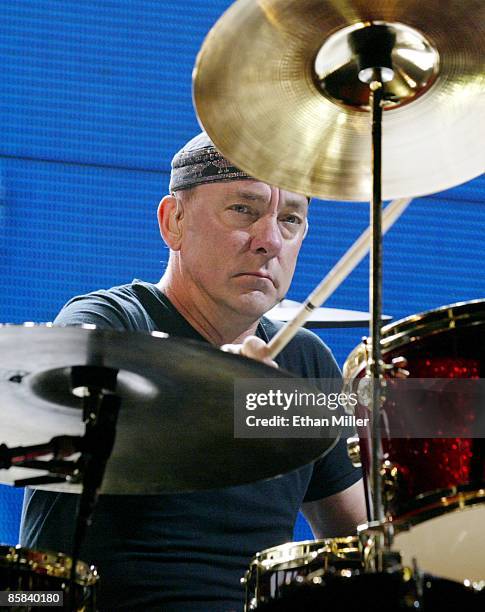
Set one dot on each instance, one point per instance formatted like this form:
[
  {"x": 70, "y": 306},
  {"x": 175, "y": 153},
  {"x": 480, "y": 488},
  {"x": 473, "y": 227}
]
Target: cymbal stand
[
  {"x": 373, "y": 48},
  {"x": 96, "y": 386}
]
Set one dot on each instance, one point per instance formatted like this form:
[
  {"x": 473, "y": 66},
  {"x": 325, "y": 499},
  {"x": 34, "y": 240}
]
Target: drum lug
[
  {"x": 376, "y": 540},
  {"x": 353, "y": 451},
  {"x": 392, "y": 479}
]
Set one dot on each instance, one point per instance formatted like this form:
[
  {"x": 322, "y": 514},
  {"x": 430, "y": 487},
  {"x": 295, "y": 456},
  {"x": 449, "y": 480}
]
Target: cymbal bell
[
  {"x": 276, "y": 87},
  {"x": 175, "y": 428}
]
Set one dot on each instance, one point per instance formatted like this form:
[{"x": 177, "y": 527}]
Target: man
[{"x": 233, "y": 245}]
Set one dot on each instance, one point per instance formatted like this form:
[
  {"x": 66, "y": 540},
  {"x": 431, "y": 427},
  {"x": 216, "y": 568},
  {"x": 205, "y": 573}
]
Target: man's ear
[{"x": 170, "y": 220}]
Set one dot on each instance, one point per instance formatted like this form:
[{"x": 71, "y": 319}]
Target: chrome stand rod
[{"x": 375, "y": 292}]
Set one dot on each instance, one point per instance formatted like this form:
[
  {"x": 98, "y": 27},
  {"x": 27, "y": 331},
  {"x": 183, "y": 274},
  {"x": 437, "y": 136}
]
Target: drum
[
  {"x": 434, "y": 487},
  {"x": 274, "y": 568},
  {"x": 23, "y": 569},
  {"x": 377, "y": 592}
]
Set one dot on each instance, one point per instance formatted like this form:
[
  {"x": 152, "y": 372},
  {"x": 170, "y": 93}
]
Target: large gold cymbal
[{"x": 296, "y": 118}]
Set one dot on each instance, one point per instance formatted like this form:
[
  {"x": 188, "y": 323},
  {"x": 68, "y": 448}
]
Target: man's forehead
[{"x": 254, "y": 190}]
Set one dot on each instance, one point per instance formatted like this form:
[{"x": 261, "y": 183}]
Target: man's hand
[{"x": 252, "y": 347}]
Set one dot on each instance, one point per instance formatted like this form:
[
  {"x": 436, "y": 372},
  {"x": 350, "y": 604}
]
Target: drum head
[{"x": 451, "y": 545}]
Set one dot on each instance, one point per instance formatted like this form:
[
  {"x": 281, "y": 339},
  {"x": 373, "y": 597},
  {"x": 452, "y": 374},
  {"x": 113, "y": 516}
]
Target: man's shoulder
[
  {"x": 119, "y": 307},
  {"x": 122, "y": 293}
]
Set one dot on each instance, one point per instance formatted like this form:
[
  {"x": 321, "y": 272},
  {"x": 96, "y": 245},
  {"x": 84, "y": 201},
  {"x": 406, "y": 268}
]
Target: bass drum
[
  {"x": 23, "y": 569},
  {"x": 435, "y": 486},
  {"x": 275, "y": 568}
]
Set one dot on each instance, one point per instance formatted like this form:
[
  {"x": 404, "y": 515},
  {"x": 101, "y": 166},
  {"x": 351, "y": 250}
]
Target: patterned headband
[{"x": 199, "y": 162}]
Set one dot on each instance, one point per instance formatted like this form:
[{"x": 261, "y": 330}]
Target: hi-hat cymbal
[
  {"x": 276, "y": 87},
  {"x": 175, "y": 427},
  {"x": 321, "y": 318}
]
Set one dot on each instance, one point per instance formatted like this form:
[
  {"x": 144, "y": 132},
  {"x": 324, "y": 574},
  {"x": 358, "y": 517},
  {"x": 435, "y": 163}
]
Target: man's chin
[{"x": 255, "y": 304}]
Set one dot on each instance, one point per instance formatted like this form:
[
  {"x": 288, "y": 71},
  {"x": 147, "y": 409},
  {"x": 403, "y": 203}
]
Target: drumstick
[{"x": 335, "y": 277}]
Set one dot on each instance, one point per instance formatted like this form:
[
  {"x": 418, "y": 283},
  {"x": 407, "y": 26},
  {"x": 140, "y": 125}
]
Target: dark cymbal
[
  {"x": 276, "y": 87},
  {"x": 176, "y": 424},
  {"x": 321, "y": 318}
]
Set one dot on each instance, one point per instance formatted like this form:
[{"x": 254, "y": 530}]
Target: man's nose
[{"x": 266, "y": 236}]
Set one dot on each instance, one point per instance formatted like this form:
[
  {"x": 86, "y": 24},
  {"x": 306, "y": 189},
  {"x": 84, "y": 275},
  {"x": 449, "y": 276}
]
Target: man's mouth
[{"x": 263, "y": 275}]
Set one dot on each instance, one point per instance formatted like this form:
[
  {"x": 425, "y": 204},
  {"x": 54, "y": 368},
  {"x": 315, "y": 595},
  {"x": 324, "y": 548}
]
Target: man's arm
[{"x": 338, "y": 514}]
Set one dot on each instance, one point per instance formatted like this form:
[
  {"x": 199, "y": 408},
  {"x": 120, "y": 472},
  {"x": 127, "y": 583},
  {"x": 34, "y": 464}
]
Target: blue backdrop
[{"x": 95, "y": 99}]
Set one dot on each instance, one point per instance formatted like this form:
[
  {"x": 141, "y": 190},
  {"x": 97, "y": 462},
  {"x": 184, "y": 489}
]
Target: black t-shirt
[{"x": 185, "y": 551}]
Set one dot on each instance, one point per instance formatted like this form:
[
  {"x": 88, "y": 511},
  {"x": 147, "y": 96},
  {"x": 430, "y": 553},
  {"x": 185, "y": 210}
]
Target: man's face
[{"x": 240, "y": 242}]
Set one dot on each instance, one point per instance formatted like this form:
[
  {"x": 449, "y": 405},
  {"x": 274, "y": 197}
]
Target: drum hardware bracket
[
  {"x": 418, "y": 576},
  {"x": 26, "y": 457},
  {"x": 376, "y": 540},
  {"x": 38, "y": 481},
  {"x": 57, "y": 467}
]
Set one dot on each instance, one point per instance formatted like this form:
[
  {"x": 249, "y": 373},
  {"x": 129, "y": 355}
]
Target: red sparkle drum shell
[{"x": 436, "y": 476}]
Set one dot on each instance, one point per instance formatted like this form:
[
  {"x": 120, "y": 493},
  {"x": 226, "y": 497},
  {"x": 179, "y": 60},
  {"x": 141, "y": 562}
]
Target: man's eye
[
  {"x": 242, "y": 208},
  {"x": 292, "y": 219}
]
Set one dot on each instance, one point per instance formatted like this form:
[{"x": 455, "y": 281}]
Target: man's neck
[{"x": 216, "y": 324}]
